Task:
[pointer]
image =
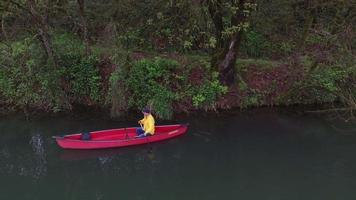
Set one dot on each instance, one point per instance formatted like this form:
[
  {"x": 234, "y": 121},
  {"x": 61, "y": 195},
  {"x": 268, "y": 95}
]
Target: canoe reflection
[
  {"x": 71, "y": 155},
  {"x": 89, "y": 154}
]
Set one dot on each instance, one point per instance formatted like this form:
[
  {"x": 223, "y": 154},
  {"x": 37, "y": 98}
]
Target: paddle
[{"x": 139, "y": 122}]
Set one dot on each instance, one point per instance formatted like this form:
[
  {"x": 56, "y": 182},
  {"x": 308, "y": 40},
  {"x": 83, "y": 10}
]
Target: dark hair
[{"x": 146, "y": 110}]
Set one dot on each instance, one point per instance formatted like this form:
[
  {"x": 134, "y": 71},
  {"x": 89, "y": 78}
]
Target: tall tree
[
  {"x": 216, "y": 14},
  {"x": 84, "y": 25},
  {"x": 230, "y": 19},
  {"x": 4, "y": 9},
  {"x": 309, "y": 8},
  {"x": 41, "y": 23}
]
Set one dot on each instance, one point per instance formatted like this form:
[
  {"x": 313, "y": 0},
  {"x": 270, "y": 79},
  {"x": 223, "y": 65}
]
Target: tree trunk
[
  {"x": 3, "y": 29},
  {"x": 42, "y": 29},
  {"x": 309, "y": 18},
  {"x": 84, "y": 26},
  {"x": 215, "y": 12},
  {"x": 226, "y": 63}
]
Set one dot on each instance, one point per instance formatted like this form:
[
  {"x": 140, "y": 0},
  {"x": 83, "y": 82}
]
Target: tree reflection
[
  {"x": 25, "y": 163},
  {"x": 40, "y": 165}
]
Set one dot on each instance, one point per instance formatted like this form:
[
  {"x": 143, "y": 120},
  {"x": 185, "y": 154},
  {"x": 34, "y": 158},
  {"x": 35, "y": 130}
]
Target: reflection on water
[
  {"x": 5, "y": 167},
  {"x": 31, "y": 163},
  {"x": 37, "y": 144},
  {"x": 68, "y": 155},
  {"x": 252, "y": 155}
]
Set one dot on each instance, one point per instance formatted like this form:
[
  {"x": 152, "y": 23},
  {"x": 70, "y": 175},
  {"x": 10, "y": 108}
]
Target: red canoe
[{"x": 118, "y": 137}]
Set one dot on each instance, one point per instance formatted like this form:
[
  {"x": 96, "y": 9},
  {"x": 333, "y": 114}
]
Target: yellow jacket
[{"x": 148, "y": 124}]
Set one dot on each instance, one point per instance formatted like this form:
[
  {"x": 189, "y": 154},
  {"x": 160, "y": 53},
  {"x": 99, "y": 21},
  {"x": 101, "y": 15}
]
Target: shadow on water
[{"x": 237, "y": 155}]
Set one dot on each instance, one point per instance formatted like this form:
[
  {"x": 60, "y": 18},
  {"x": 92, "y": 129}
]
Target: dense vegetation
[{"x": 175, "y": 55}]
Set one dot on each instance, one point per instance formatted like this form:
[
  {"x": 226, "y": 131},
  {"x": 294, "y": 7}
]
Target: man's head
[{"x": 146, "y": 111}]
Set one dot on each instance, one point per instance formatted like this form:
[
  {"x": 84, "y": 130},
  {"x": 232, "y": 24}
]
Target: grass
[{"x": 243, "y": 64}]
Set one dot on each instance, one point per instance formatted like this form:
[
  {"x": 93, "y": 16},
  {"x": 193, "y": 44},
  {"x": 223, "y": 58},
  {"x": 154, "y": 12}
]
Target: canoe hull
[{"x": 119, "y": 138}]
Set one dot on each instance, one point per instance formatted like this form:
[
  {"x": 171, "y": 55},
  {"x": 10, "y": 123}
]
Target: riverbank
[
  {"x": 171, "y": 83},
  {"x": 179, "y": 59}
]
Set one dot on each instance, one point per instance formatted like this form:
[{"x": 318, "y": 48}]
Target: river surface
[{"x": 260, "y": 154}]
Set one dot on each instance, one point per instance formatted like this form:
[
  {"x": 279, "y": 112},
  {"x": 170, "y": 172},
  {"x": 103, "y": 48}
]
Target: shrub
[
  {"x": 319, "y": 86},
  {"x": 255, "y": 45},
  {"x": 24, "y": 77},
  {"x": 82, "y": 77},
  {"x": 161, "y": 84},
  {"x": 29, "y": 81},
  {"x": 149, "y": 84},
  {"x": 80, "y": 72},
  {"x": 143, "y": 83},
  {"x": 206, "y": 94},
  {"x": 66, "y": 43}
]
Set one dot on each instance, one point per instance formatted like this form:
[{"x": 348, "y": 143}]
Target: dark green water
[{"x": 261, "y": 154}]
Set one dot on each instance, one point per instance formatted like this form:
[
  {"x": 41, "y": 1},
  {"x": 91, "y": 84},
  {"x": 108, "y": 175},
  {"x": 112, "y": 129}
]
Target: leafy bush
[
  {"x": 207, "y": 94},
  {"x": 160, "y": 84},
  {"x": 252, "y": 99},
  {"x": 117, "y": 94},
  {"x": 285, "y": 48},
  {"x": 319, "y": 86},
  {"x": 131, "y": 39},
  {"x": 29, "y": 81},
  {"x": 255, "y": 45},
  {"x": 66, "y": 43},
  {"x": 82, "y": 77},
  {"x": 148, "y": 84},
  {"x": 80, "y": 72},
  {"x": 24, "y": 77}
]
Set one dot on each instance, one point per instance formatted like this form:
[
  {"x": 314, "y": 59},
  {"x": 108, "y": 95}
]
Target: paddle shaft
[
  {"x": 141, "y": 127},
  {"x": 126, "y": 135}
]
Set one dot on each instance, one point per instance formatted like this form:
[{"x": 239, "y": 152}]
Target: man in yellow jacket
[{"x": 147, "y": 124}]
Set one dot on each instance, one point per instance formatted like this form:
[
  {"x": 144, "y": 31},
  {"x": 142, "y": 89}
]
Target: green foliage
[
  {"x": 117, "y": 94},
  {"x": 149, "y": 84},
  {"x": 242, "y": 86},
  {"x": 319, "y": 86},
  {"x": 159, "y": 84},
  {"x": 82, "y": 76},
  {"x": 16, "y": 86},
  {"x": 285, "y": 48},
  {"x": 66, "y": 43},
  {"x": 255, "y": 45},
  {"x": 319, "y": 40},
  {"x": 212, "y": 42},
  {"x": 24, "y": 80},
  {"x": 208, "y": 93},
  {"x": 187, "y": 45},
  {"x": 132, "y": 39},
  {"x": 28, "y": 81},
  {"x": 80, "y": 72},
  {"x": 329, "y": 78},
  {"x": 231, "y": 9},
  {"x": 243, "y": 64},
  {"x": 252, "y": 99}
]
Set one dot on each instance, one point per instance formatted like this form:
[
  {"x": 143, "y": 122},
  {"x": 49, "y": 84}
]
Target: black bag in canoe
[{"x": 86, "y": 136}]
